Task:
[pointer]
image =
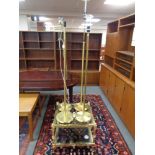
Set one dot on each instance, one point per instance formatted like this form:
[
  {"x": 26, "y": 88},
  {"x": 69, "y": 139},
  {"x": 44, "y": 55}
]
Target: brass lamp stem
[
  {"x": 86, "y": 67},
  {"x": 64, "y": 52},
  {"x": 82, "y": 72}
]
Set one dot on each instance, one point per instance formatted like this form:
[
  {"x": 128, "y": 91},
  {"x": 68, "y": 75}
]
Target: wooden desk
[
  {"x": 27, "y": 104},
  {"x": 44, "y": 81}
]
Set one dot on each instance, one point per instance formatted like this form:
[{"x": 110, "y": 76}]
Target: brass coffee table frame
[{"x": 91, "y": 126}]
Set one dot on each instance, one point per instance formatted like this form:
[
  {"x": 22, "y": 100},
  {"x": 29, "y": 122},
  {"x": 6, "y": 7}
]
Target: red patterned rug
[
  {"x": 24, "y": 139},
  {"x": 108, "y": 138}
]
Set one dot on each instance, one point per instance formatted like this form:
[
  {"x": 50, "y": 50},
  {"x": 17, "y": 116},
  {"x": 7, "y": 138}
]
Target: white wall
[
  {"x": 26, "y": 24},
  {"x": 104, "y": 33},
  {"x": 23, "y": 23}
]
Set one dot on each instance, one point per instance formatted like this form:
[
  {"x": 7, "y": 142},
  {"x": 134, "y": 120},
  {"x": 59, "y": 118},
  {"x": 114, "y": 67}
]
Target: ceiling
[{"x": 72, "y": 11}]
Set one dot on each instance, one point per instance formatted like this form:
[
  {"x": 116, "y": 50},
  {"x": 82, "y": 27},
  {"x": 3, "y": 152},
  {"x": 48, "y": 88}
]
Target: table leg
[
  {"x": 70, "y": 94},
  {"x": 30, "y": 126},
  {"x": 39, "y": 104}
]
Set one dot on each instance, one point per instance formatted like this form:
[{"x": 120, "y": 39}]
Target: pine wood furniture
[
  {"x": 27, "y": 104},
  {"x": 40, "y": 50},
  {"x": 117, "y": 74},
  {"x": 44, "y": 81},
  {"x": 121, "y": 94},
  {"x": 119, "y": 52}
]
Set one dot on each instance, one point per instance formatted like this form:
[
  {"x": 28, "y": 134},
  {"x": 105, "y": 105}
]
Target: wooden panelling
[
  {"x": 125, "y": 38},
  {"x": 113, "y": 27},
  {"x": 92, "y": 77},
  {"x": 112, "y": 41}
]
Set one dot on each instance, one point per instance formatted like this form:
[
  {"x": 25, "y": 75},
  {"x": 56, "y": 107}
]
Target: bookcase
[
  {"x": 119, "y": 53},
  {"x": 117, "y": 74},
  {"x": 37, "y": 50},
  {"x": 40, "y": 50},
  {"x": 74, "y": 46}
]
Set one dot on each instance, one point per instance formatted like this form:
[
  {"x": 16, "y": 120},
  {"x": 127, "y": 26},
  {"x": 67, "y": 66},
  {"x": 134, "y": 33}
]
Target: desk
[
  {"x": 27, "y": 104},
  {"x": 44, "y": 81}
]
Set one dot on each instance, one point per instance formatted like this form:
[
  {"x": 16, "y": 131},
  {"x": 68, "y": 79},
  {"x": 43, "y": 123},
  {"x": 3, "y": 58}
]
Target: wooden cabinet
[
  {"x": 119, "y": 85},
  {"x": 127, "y": 111},
  {"x": 120, "y": 92}
]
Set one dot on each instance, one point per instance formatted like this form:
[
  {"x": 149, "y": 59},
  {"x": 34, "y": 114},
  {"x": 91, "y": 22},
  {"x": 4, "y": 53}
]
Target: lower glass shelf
[{"x": 66, "y": 137}]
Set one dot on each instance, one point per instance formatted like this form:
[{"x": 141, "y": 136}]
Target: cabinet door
[
  {"x": 104, "y": 79},
  {"x": 93, "y": 78},
  {"x": 111, "y": 87},
  {"x": 111, "y": 44},
  {"x": 128, "y": 108},
  {"x": 117, "y": 97}
]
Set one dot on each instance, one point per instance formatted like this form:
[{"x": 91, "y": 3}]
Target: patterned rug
[
  {"x": 24, "y": 139},
  {"x": 108, "y": 138}
]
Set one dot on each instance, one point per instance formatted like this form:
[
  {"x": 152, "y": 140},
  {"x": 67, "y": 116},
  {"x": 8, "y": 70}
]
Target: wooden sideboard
[{"x": 121, "y": 94}]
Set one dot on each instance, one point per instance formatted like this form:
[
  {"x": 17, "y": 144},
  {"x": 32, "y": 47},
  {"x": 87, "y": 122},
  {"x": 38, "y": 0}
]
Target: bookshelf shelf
[
  {"x": 31, "y": 41},
  {"x": 122, "y": 67},
  {"x": 127, "y": 25},
  {"x": 124, "y": 61}
]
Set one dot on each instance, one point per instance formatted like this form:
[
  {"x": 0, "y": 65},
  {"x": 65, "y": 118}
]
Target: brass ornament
[
  {"x": 79, "y": 106},
  {"x": 64, "y": 117},
  {"x": 83, "y": 117},
  {"x": 61, "y": 106}
]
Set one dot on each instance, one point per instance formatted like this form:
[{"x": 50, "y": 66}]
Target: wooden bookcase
[
  {"x": 117, "y": 74},
  {"x": 74, "y": 46},
  {"x": 40, "y": 50},
  {"x": 119, "y": 38},
  {"x": 37, "y": 50}
]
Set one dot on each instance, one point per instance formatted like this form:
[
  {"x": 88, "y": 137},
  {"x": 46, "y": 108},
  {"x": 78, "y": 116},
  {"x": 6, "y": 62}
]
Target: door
[
  {"x": 127, "y": 110},
  {"x": 117, "y": 97},
  {"x": 111, "y": 87},
  {"x": 104, "y": 78}
]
